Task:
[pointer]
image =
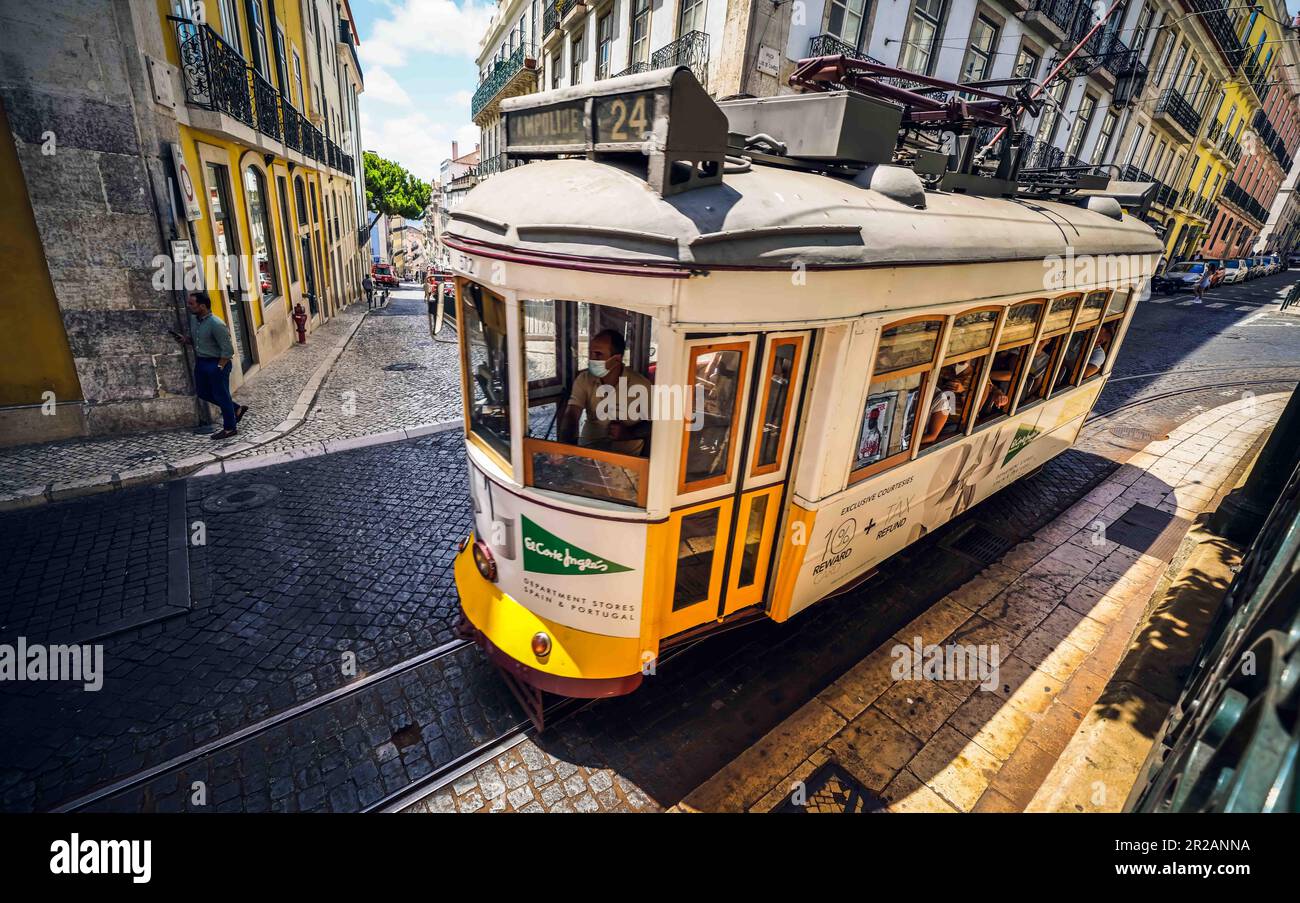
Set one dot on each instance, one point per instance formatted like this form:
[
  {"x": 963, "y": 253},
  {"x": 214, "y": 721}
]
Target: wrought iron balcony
[
  {"x": 1175, "y": 107},
  {"x": 1130, "y": 173},
  {"x": 1214, "y": 16},
  {"x": 293, "y": 125},
  {"x": 633, "y": 69},
  {"x": 218, "y": 78},
  {"x": 1166, "y": 195},
  {"x": 214, "y": 73},
  {"x": 502, "y": 72},
  {"x": 266, "y": 105},
  {"x": 493, "y": 165},
  {"x": 1233, "y": 192},
  {"x": 829, "y": 45},
  {"x": 1060, "y": 12},
  {"x": 691, "y": 49},
  {"x": 554, "y": 14}
]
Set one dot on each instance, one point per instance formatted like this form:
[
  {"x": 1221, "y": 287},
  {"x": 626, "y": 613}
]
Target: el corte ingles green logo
[{"x": 546, "y": 553}]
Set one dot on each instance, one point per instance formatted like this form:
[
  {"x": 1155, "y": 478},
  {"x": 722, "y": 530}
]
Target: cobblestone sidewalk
[
  {"x": 334, "y": 388},
  {"x": 1061, "y": 608}
]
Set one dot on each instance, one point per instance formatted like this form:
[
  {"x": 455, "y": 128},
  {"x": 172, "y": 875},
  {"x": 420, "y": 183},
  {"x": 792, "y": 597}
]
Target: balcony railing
[
  {"x": 691, "y": 49},
  {"x": 1215, "y": 18},
  {"x": 1239, "y": 196},
  {"x": 493, "y": 165},
  {"x": 215, "y": 74},
  {"x": 554, "y": 14},
  {"x": 218, "y": 78},
  {"x": 1058, "y": 11},
  {"x": 500, "y": 76},
  {"x": 1176, "y": 107},
  {"x": 266, "y": 102},
  {"x": 633, "y": 69}
]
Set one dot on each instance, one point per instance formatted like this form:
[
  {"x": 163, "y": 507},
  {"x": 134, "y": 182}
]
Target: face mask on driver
[{"x": 597, "y": 368}]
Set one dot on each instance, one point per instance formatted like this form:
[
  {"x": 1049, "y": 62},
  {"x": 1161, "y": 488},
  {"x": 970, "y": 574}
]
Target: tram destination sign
[
  {"x": 622, "y": 122},
  {"x": 663, "y": 116}
]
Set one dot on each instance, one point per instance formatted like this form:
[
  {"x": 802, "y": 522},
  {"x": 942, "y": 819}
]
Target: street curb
[
  {"x": 319, "y": 449},
  {"x": 32, "y": 496}
]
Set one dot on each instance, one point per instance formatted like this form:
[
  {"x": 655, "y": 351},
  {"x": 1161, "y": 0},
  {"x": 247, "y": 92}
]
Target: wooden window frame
[
  {"x": 640, "y": 465},
  {"x": 757, "y": 470},
  {"x": 976, "y": 390},
  {"x": 742, "y": 387},
  {"x": 1076, "y": 374},
  {"x": 923, "y": 408},
  {"x": 1057, "y": 355}
]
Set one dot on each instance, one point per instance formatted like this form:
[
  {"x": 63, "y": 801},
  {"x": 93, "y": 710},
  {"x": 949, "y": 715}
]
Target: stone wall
[{"x": 93, "y": 147}]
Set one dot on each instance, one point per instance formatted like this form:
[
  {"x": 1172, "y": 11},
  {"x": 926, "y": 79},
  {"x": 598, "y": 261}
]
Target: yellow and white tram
[{"x": 837, "y": 363}]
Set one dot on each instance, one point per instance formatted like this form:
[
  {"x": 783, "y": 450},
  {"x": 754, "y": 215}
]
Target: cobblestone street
[
  {"x": 324, "y": 585},
  {"x": 336, "y": 387}
]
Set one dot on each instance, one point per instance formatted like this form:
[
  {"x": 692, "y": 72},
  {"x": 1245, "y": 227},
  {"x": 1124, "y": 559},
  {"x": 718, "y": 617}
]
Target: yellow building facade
[{"x": 266, "y": 114}]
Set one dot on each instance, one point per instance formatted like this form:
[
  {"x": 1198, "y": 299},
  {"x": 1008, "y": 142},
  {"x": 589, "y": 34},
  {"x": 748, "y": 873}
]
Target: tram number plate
[
  {"x": 625, "y": 118},
  {"x": 550, "y": 126}
]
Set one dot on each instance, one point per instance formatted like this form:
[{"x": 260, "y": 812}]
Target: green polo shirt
[{"x": 211, "y": 337}]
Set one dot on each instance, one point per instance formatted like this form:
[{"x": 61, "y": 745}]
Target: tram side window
[
  {"x": 1103, "y": 350},
  {"x": 961, "y": 376},
  {"x": 1079, "y": 349},
  {"x": 1009, "y": 361},
  {"x": 1060, "y": 313},
  {"x": 904, "y": 360},
  {"x": 484, "y": 345},
  {"x": 590, "y": 398},
  {"x": 781, "y": 375}
]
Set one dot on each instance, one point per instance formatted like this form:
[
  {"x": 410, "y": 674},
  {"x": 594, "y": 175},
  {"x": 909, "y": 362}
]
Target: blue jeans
[{"x": 212, "y": 384}]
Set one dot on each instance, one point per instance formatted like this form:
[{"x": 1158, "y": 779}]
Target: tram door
[{"x": 742, "y": 403}]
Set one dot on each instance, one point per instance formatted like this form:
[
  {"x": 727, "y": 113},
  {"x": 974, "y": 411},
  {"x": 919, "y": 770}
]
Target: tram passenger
[
  {"x": 625, "y": 393},
  {"x": 953, "y": 385},
  {"x": 1097, "y": 359}
]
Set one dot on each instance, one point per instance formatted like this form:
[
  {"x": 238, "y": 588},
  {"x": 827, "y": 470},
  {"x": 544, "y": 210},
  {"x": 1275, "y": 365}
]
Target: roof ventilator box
[{"x": 830, "y": 126}]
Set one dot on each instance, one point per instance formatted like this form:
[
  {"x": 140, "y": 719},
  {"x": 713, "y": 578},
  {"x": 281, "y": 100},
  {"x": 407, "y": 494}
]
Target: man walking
[
  {"x": 369, "y": 285},
  {"x": 213, "y": 352}
]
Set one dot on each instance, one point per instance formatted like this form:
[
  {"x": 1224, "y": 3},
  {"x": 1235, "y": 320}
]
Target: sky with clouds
[{"x": 417, "y": 58}]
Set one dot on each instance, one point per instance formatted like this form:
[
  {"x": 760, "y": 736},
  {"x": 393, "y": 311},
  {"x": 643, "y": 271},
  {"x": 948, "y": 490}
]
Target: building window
[
  {"x": 979, "y": 54},
  {"x": 283, "y": 193},
  {"x": 692, "y": 18},
  {"x": 1052, "y": 112},
  {"x": 259, "y": 232},
  {"x": 1108, "y": 123},
  {"x": 576, "y": 58},
  {"x": 846, "y": 20},
  {"x": 257, "y": 37},
  {"x": 639, "y": 51},
  {"x": 922, "y": 36},
  {"x": 1142, "y": 29},
  {"x": 556, "y": 68},
  {"x": 1082, "y": 120},
  {"x": 604, "y": 44},
  {"x": 1026, "y": 64}
]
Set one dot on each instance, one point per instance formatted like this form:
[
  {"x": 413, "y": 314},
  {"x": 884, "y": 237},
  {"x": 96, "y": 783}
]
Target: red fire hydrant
[{"x": 300, "y": 321}]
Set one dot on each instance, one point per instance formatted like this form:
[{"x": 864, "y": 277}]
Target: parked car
[
  {"x": 1274, "y": 263},
  {"x": 1234, "y": 271},
  {"x": 1180, "y": 277},
  {"x": 382, "y": 274}
]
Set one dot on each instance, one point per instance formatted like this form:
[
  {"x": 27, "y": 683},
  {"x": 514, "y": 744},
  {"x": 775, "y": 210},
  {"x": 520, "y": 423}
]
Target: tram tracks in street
[
  {"x": 446, "y": 773},
  {"x": 248, "y": 732}
]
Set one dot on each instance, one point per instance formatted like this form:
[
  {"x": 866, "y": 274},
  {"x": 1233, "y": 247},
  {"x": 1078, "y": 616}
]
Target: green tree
[{"x": 392, "y": 191}]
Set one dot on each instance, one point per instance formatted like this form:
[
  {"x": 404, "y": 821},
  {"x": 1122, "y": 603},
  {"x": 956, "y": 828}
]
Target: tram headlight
[
  {"x": 484, "y": 561},
  {"x": 541, "y": 644}
]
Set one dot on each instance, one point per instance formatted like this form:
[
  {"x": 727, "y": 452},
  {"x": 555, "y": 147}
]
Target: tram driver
[{"x": 615, "y": 399}]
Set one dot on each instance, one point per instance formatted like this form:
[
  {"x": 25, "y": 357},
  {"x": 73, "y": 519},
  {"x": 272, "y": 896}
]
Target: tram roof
[{"x": 774, "y": 217}]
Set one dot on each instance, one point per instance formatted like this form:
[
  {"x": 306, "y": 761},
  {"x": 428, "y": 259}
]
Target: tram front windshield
[{"x": 590, "y": 373}]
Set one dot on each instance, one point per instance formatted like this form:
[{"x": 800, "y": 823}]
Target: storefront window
[{"x": 259, "y": 230}]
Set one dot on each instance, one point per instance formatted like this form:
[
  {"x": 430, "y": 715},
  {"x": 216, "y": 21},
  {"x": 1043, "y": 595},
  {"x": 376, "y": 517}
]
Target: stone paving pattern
[
  {"x": 354, "y": 555},
  {"x": 270, "y": 395},
  {"x": 1061, "y": 608},
  {"x": 360, "y": 397}
]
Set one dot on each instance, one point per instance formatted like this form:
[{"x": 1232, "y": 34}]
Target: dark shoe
[
  {"x": 222, "y": 434},
  {"x": 240, "y": 412}
]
